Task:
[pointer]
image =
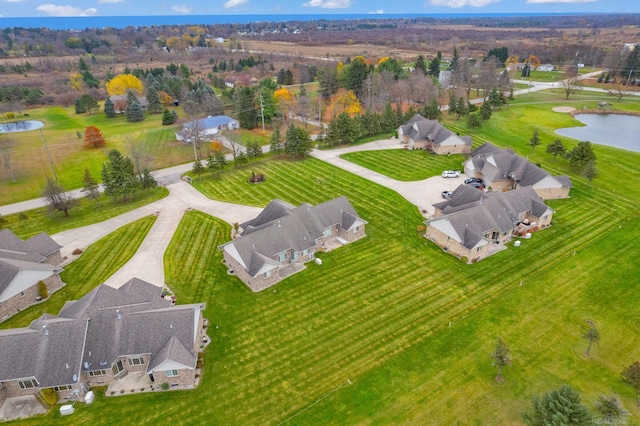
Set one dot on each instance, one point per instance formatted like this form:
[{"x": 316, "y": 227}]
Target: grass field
[
  {"x": 391, "y": 330},
  {"x": 33, "y": 222},
  {"x": 92, "y": 268}
]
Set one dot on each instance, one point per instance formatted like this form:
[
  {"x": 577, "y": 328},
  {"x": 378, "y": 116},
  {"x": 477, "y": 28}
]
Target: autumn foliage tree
[
  {"x": 93, "y": 138},
  {"x": 123, "y": 83}
]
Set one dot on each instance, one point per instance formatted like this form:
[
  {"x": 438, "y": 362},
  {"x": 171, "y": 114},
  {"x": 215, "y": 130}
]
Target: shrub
[
  {"x": 164, "y": 386},
  {"x": 23, "y": 216},
  {"x": 42, "y": 290},
  {"x": 49, "y": 396},
  {"x": 465, "y": 259}
]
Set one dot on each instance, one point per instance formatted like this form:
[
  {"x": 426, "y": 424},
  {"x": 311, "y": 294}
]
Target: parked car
[
  {"x": 450, "y": 174},
  {"x": 446, "y": 194},
  {"x": 476, "y": 185},
  {"x": 470, "y": 180}
]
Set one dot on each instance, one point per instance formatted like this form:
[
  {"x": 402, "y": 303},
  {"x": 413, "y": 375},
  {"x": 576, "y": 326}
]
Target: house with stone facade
[
  {"x": 23, "y": 264},
  {"x": 422, "y": 133},
  {"x": 101, "y": 338},
  {"x": 474, "y": 224},
  {"x": 503, "y": 170},
  {"x": 283, "y": 237}
]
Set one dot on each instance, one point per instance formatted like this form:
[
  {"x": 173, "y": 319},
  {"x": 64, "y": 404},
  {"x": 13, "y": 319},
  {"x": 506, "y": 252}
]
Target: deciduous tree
[
  {"x": 610, "y": 409},
  {"x": 590, "y": 171},
  {"x": 93, "y": 138},
  {"x": 56, "y": 198},
  {"x": 592, "y": 335},
  {"x": 501, "y": 358},
  {"x": 123, "y": 83},
  {"x": 631, "y": 378}
]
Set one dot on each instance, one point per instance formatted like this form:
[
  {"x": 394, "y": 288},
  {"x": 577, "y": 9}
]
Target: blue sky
[{"x": 39, "y": 8}]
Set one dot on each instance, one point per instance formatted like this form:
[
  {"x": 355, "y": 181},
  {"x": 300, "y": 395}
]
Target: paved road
[{"x": 422, "y": 193}]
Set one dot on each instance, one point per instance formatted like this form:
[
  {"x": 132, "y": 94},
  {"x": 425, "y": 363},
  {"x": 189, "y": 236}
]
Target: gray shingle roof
[
  {"x": 91, "y": 333},
  {"x": 281, "y": 227},
  {"x": 420, "y": 128},
  {"x": 500, "y": 211},
  {"x": 41, "y": 244}
]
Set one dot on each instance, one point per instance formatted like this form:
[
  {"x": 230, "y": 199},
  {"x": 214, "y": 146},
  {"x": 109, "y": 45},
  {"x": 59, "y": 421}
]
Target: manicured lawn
[
  {"x": 364, "y": 338},
  {"x": 92, "y": 268},
  {"x": 405, "y": 165},
  {"x": 85, "y": 213}
]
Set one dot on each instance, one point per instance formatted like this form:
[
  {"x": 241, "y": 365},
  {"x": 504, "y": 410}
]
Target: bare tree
[
  {"x": 56, "y": 198},
  {"x": 570, "y": 83},
  {"x": 138, "y": 153},
  {"x": 488, "y": 76}
]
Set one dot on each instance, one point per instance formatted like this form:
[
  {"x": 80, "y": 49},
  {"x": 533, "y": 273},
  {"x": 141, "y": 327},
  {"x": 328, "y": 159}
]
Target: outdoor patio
[
  {"x": 18, "y": 407},
  {"x": 133, "y": 382}
]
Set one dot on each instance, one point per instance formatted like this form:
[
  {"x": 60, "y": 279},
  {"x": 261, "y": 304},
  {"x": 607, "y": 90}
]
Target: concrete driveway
[
  {"x": 148, "y": 262},
  {"x": 18, "y": 407},
  {"x": 423, "y": 193}
]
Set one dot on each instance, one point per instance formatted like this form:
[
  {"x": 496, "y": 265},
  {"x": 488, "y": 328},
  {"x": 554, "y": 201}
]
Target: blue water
[
  {"x": 21, "y": 126},
  {"x": 82, "y": 22},
  {"x": 616, "y": 130}
]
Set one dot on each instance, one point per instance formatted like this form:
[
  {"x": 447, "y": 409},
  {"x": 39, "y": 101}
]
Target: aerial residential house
[
  {"x": 503, "y": 170},
  {"x": 422, "y": 133},
  {"x": 24, "y": 263},
  {"x": 101, "y": 338},
  {"x": 282, "y": 238},
  {"x": 206, "y": 127},
  {"x": 474, "y": 224},
  {"x": 120, "y": 103},
  {"x": 546, "y": 67}
]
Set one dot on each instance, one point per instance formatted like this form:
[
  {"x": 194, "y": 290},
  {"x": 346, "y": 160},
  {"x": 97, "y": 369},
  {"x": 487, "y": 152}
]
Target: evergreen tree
[
  {"x": 485, "y": 111},
  {"x": 131, "y": 98},
  {"x": 220, "y": 159},
  {"x": 453, "y": 106},
  {"x": 134, "y": 112},
  {"x": 526, "y": 70},
  {"x": 494, "y": 98},
  {"x": 431, "y": 110},
  {"x": 244, "y": 106},
  {"x": 461, "y": 108},
  {"x": 534, "y": 141},
  {"x": 275, "y": 141},
  {"x": 79, "y": 108},
  {"x": 281, "y": 75},
  {"x": 241, "y": 158},
  {"x": 90, "y": 187},
  {"x": 198, "y": 169},
  {"x": 88, "y": 103},
  {"x": 434, "y": 68},
  {"x": 590, "y": 172},
  {"x": 155, "y": 105},
  {"x": 421, "y": 64},
  {"x": 399, "y": 116},
  {"x": 581, "y": 154},
  {"x": 174, "y": 115},
  {"x": 474, "y": 121},
  {"x": 109, "y": 110},
  {"x": 559, "y": 407},
  {"x": 147, "y": 180},
  {"x": 298, "y": 142},
  {"x": 118, "y": 176},
  {"x": 167, "y": 118},
  {"x": 288, "y": 78},
  {"x": 556, "y": 147},
  {"x": 453, "y": 66},
  {"x": 388, "y": 119}
]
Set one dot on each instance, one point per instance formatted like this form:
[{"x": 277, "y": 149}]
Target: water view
[
  {"x": 616, "y": 130},
  {"x": 21, "y": 126}
]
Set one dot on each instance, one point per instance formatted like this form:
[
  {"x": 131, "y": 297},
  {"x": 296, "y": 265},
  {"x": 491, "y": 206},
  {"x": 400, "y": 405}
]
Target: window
[
  {"x": 117, "y": 367},
  {"x": 283, "y": 257},
  {"x": 327, "y": 232},
  {"x": 304, "y": 252},
  {"x": 28, "y": 384},
  {"x": 266, "y": 274},
  {"x": 356, "y": 229},
  {"x": 62, "y": 388},
  {"x": 22, "y": 294},
  {"x": 136, "y": 360},
  {"x": 478, "y": 249},
  {"x": 171, "y": 373},
  {"x": 97, "y": 373}
]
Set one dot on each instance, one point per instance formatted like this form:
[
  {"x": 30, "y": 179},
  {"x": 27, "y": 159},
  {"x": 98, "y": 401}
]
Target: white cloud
[
  {"x": 329, "y": 4},
  {"x": 55, "y": 10},
  {"x": 110, "y": 1},
  {"x": 559, "y": 1},
  {"x": 461, "y": 3},
  {"x": 234, "y": 3},
  {"x": 14, "y": 1},
  {"x": 377, "y": 12},
  {"x": 181, "y": 9}
]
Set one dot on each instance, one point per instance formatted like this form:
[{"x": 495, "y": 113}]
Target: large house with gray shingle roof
[
  {"x": 283, "y": 237},
  {"x": 24, "y": 263},
  {"x": 422, "y": 133},
  {"x": 503, "y": 170},
  {"x": 101, "y": 338},
  {"x": 475, "y": 224}
]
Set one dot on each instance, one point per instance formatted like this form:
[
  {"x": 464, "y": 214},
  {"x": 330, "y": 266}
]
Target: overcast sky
[{"x": 31, "y": 8}]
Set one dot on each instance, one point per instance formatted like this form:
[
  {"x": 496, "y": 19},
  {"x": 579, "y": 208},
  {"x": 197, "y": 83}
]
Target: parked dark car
[
  {"x": 477, "y": 185},
  {"x": 470, "y": 180}
]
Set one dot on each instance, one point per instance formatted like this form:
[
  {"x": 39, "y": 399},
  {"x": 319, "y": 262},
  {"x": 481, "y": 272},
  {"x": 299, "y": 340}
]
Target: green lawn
[
  {"x": 365, "y": 338},
  {"x": 87, "y": 212},
  {"x": 405, "y": 165},
  {"x": 92, "y": 268}
]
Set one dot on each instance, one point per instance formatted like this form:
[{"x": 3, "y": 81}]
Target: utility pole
[
  {"x": 44, "y": 142},
  {"x": 262, "y": 112}
]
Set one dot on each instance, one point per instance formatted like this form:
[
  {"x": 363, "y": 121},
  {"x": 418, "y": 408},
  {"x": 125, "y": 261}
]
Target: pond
[
  {"x": 616, "y": 130},
  {"x": 21, "y": 126}
]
